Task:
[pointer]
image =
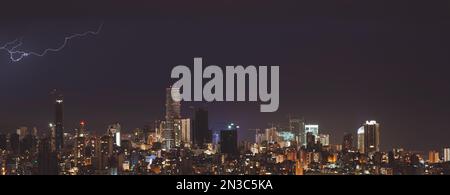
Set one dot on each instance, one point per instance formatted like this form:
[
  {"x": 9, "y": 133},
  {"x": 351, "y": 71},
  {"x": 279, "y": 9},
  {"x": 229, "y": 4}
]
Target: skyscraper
[
  {"x": 324, "y": 139},
  {"x": 105, "y": 152},
  {"x": 47, "y": 161},
  {"x": 309, "y": 128},
  {"x": 114, "y": 132},
  {"x": 310, "y": 140},
  {"x": 173, "y": 112},
  {"x": 271, "y": 134},
  {"x": 173, "y": 108},
  {"x": 297, "y": 127},
  {"x": 201, "y": 132},
  {"x": 347, "y": 144},
  {"x": 59, "y": 124},
  {"x": 314, "y": 129},
  {"x": 433, "y": 156},
  {"x": 229, "y": 140},
  {"x": 185, "y": 130},
  {"x": 360, "y": 134},
  {"x": 80, "y": 144},
  {"x": 371, "y": 136},
  {"x": 446, "y": 154}
]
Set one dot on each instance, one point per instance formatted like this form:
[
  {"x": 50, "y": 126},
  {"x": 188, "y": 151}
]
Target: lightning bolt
[{"x": 16, "y": 55}]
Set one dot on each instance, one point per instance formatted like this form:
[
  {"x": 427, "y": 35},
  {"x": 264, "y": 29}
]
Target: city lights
[{"x": 181, "y": 145}]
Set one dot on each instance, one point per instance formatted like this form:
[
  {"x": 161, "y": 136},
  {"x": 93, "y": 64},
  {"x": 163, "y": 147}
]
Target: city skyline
[
  {"x": 175, "y": 146},
  {"x": 340, "y": 64},
  {"x": 172, "y": 110}
]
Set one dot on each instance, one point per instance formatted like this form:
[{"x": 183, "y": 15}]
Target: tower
[
  {"x": 201, "y": 132},
  {"x": 371, "y": 136},
  {"x": 114, "y": 132},
  {"x": 297, "y": 127},
  {"x": 59, "y": 124},
  {"x": 310, "y": 128},
  {"x": 173, "y": 109},
  {"x": 229, "y": 140},
  {"x": 360, "y": 134},
  {"x": 347, "y": 143},
  {"x": 446, "y": 154}
]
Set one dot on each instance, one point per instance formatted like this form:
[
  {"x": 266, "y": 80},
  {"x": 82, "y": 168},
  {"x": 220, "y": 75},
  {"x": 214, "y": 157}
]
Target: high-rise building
[
  {"x": 446, "y": 154},
  {"x": 173, "y": 108},
  {"x": 80, "y": 144},
  {"x": 310, "y": 140},
  {"x": 105, "y": 152},
  {"x": 59, "y": 123},
  {"x": 371, "y": 136},
  {"x": 297, "y": 127},
  {"x": 314, "y": 129},
  {"x": 324, "y": 139},
  {"x": 360, "y": 134},
  {"x": 168, "y": 134},
  {"x": 114, "y": 132},
  {"x": 47, "y": 160},
  {"x": 229, "y": 140},
  {"x": 201, "y": 133},
  {"x": 177, "y": 132},
  {"x": 271, "y": 134},
  {"x": 173, "y": 112},
  {"x": 433, "y": 157},
  {"x": 185, "y": 127},
  {"x": 309, "y": 128},
  {"x": 138, "y": 135},
  {"x": 347, "y": 144},
  {"x": 260, "y": 137}
]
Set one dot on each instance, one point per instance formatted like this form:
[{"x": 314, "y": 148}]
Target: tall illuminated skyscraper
[
  {"x": 297, "y": 127},
  {"x": 181, "y": 131},
  {"x": 59, "y": 124},
  {"x": 80, "y": 144},
  {"x": 371, "y": 136},
  {"x": 173, "y": 112},
  {"x": 433, "y": 157},
  {"x": 446, "y": 154},
  {"x": 314, "y": 129},
  {"x": 185, "y": 131},
  {"x": 360, "y": 134},
  {"x": 173, "y": 108},
  {"x": 114, "y": 132},
  {"x": 310, "y": 128},
  {"x": 324, "y": 139}
]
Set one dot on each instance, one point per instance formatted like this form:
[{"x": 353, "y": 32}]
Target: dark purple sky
[{"x": 341, "y": 62}]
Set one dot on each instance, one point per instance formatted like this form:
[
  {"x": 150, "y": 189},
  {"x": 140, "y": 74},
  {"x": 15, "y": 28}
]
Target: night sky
[{"x": 341, "y": 63}]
